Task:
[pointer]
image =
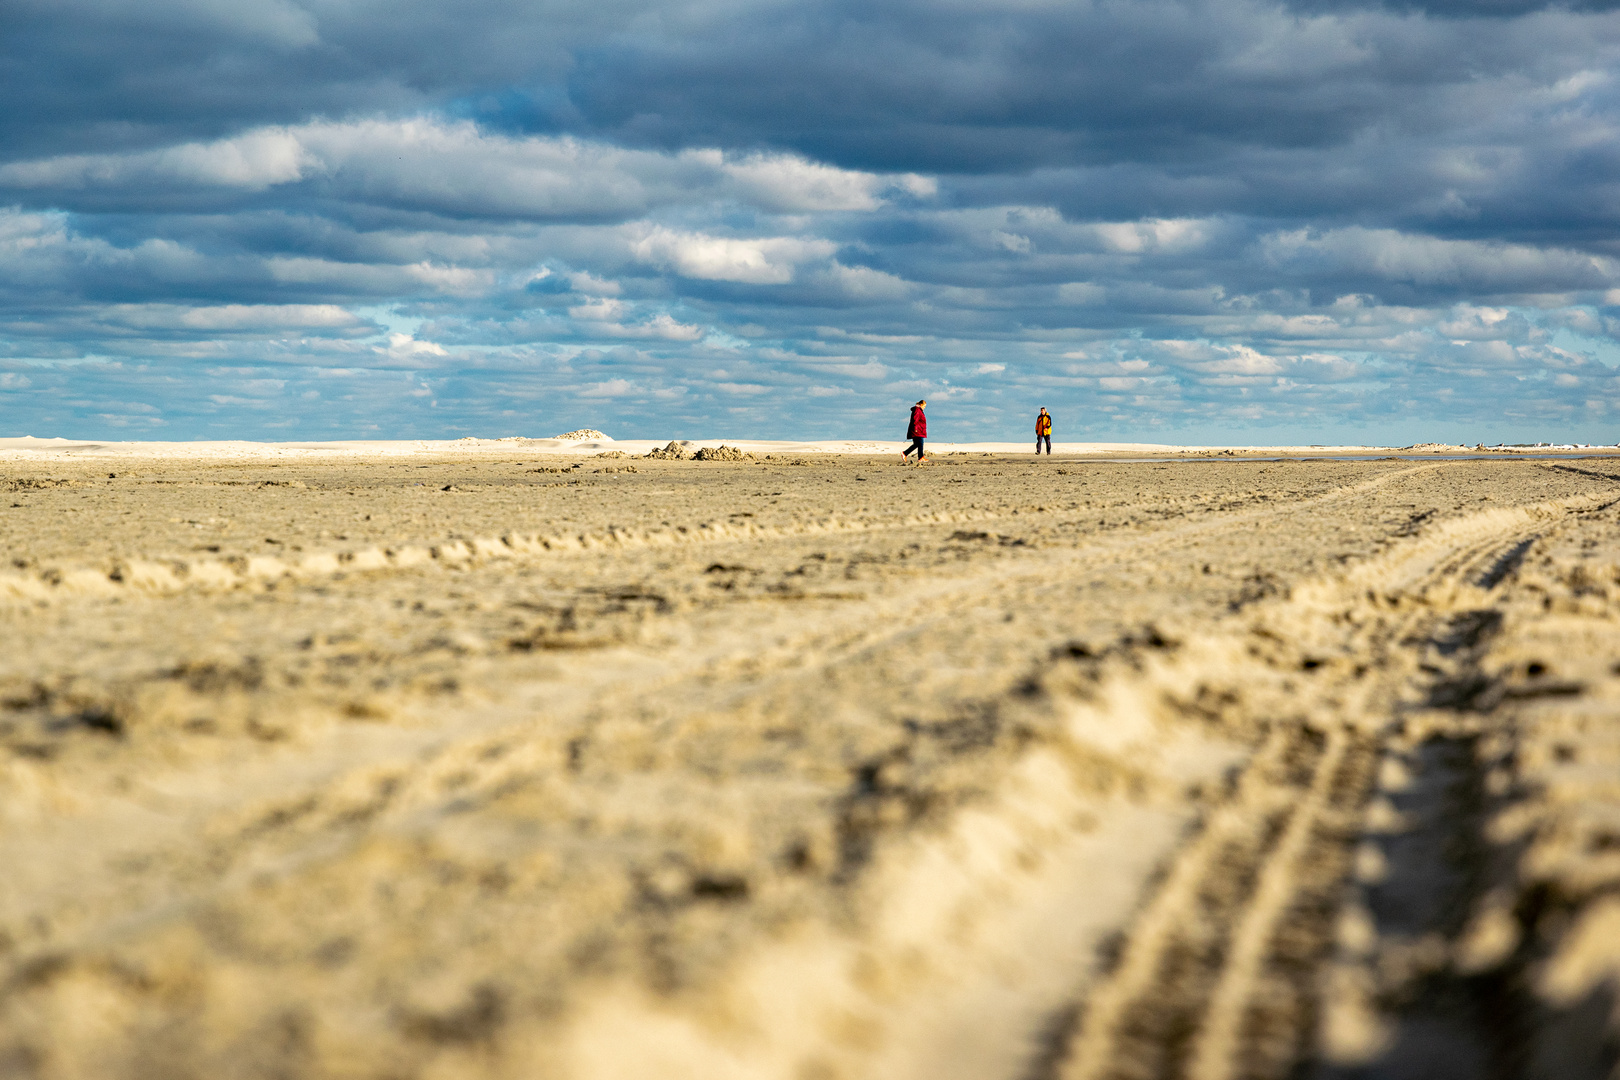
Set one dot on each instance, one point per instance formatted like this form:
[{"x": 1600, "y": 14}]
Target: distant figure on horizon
[
  {"x": 917, "y": 432},
  {"x": 1043, "y": 431}
]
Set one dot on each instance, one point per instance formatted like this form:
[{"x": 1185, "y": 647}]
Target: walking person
[
  {"x": 1043, "y": 431},
  {"x": 917, "y": 432}
]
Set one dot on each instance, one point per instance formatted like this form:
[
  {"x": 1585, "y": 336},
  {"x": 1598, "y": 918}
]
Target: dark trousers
[
  {"x": 916, "y": 444},
  {"x": 1047, "y": 439}
]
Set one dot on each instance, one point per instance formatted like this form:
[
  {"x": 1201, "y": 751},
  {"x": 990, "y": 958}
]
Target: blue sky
[{"x": 1169, "y": 221}]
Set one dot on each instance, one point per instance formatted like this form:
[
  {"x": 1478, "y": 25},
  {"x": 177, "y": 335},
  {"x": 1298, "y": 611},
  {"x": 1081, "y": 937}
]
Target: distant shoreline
[{"x": 31, "y": 448}]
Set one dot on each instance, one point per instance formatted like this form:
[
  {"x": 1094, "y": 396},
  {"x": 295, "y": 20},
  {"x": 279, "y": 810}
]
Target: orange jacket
[{"x": 1043, "y": 424}]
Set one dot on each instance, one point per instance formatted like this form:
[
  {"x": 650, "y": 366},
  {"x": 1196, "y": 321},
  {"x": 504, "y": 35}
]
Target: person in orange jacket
[
  {"x": 1043, "y": 431},
  {"x": 917, "y": 431}
]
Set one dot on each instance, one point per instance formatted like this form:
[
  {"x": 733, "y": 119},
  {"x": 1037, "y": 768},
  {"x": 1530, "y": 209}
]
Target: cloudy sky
[{"x": 1165, "y": 220}]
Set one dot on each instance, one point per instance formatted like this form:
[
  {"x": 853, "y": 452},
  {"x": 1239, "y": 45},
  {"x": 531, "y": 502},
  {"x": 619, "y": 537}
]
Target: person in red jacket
[
  {"x": 1043, "y": 431},
  {"x": 917, "y": 432}
]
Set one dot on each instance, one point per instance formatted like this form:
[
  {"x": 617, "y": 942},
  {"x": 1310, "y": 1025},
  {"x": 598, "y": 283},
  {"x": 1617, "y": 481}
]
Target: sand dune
[{"x": 511, "y": 760}]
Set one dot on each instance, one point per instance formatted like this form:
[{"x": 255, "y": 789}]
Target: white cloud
[
  {"x": 606, "y": 317},
  {"x": 602, "y": 309},
  {"x": 1239, "y": 360},
  {"x": 591, "y": 285},
  {"x": 862, "y": 283},
  {"x": 1013, "y": 242},
  {"x": 662, "y": 327},
  {"x": 758, "y": 261},
  {"x": 453, "y": 280},
  {"x": 380, "y": 278},
  {"x": 455, "y": 167},
  {"x": 406, "y": 347},
  {"x": 1157, "y": 235},
  {"x": 252, "y": 162},
  {"x": 609, "y": 388},
  {"x": 39, "y": 250},
  {"x": 1470, "y": 323},
  {"x": 792, "y": 184},
  {"x": 234, "y": 318},
  {"x": 872, "y": 369}
]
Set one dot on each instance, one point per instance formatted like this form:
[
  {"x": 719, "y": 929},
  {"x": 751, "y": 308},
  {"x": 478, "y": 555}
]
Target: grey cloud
[
  {"x": 85, "y": 75},
  {"x": 1455, "y": 9},
  {"x": 900, "y": 85},
  {"x": 165, "y": 322},
  {"x": 1407, "y": 263},
  {"x": 993, "y": 88},
  {"x": 444, "y": 169}
]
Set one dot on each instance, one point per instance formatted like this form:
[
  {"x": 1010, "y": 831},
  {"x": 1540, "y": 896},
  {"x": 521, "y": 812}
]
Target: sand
[{"x": 512, "y": 760}]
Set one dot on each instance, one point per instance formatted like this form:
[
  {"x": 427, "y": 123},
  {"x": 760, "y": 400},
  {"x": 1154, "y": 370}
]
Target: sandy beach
[
  {"x": 29, "y": 448},
  {"x": 543, "y": 759}
]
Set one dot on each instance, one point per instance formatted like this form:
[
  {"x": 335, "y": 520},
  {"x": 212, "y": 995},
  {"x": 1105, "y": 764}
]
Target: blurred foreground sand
[{"x": 531, "y": 766}]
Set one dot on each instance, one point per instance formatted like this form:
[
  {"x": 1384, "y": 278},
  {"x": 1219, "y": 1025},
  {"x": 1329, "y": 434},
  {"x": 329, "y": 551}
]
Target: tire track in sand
[
  {"x": 238, "y": 828},
  {"x": 1217, "y": 978},
  {"x": 157, "y": 575},
  {"x": 780, "y": 652},
  {"x": 1301, "y": 760}
]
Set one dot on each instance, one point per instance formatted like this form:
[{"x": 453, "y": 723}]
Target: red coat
[{"x": 919, "y": 424}]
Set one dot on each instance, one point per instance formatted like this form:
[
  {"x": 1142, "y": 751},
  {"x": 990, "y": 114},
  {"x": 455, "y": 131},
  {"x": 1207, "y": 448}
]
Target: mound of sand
[
  {"x": 721, "y": 453},
  {"x": 672, "y": 451},
  {"x": 583, "y": 435}
]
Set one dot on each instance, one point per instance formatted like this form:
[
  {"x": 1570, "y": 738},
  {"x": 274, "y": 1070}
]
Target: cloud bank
[{"x": 1182, "y": 221}]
